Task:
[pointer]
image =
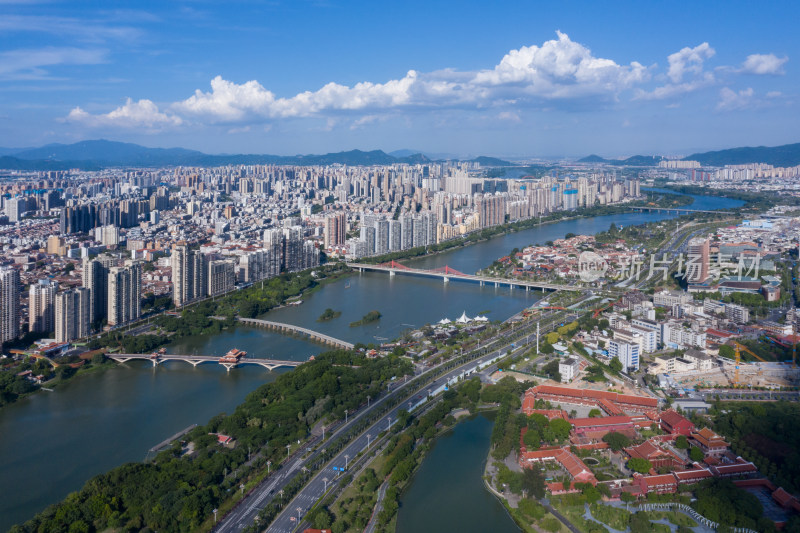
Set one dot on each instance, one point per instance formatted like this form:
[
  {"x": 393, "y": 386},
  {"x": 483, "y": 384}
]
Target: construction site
[{"x": 737, "y": 373}]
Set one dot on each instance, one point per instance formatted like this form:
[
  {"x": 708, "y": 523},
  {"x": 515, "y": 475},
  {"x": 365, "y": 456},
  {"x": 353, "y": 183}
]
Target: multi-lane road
[
  {"x": 246, "y": 512},
  {"x": 315, "y": 489}
]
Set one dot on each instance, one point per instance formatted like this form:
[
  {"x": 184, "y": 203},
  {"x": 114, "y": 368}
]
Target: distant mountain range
[
  {"x": 94, "y": 155},
  {"x": 635, "y": 161},
  {"x": 787, "y": 155}
]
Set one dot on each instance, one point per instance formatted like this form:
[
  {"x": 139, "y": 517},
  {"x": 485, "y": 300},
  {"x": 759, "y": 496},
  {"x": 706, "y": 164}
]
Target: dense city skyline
[{"x": 461, "y": 80}]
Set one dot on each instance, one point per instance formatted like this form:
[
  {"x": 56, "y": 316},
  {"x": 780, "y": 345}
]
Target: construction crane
[{"x": 739, "y": 347}]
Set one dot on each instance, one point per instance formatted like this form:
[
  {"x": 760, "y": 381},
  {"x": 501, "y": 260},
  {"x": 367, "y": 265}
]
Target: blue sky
[{"x": 500, "y": 78}]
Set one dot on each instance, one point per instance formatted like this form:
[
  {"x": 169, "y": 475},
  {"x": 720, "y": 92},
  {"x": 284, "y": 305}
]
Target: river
[
  {"x": 447, "y": 492},
  {"x": 52, "y": 442}
]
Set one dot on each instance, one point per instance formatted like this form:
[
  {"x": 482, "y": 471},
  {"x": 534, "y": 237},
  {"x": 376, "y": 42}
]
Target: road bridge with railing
[
  {"x": 678, "y": 210},
  {"x": 446, "y": 274},
  {"x": 312, "y": 335},
  {"x": 194, "y": 360}
]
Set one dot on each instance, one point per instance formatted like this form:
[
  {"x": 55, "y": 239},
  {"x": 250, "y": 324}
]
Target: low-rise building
[
  {"x": 568, "y": 368},
  {"x": 709, "y": 442},
  {"x": 673, "y": 422}
]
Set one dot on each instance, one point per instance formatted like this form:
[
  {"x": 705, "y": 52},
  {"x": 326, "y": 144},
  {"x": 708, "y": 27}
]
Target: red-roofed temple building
[{"x": 672, "y": 422}]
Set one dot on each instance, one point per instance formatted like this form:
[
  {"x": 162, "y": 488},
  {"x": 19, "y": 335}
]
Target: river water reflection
[
  {"x": 52, "y": 442},
  {"x": 447, "y": 492}
]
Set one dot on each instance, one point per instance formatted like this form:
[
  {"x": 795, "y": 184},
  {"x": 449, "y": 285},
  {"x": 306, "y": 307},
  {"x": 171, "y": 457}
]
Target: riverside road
[{"x": 246, "y": 512}]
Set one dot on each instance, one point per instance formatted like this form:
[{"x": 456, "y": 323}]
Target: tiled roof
[
  {"x": 672, "y": 418},
  {"x": 600, "y": 421}
]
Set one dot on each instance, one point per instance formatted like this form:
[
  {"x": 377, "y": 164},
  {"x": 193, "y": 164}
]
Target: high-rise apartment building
[
  {"x": 293, "y": 248},
  {"x": 395, "y": 235},
  {"x": 697, "y": 260},
  {"x": 9, "y": 304},
  {"x": 335, "y": 230},
  {"x": 221, "y": 277},
  {"x": 107, "y": 235},
  {"x": 627, "y": 353},
  {"x": 188, "y": 275},
  {"x": 257, "y": 265},
  {"x": 124, "y": 293},
  {"x": 95, "y": 278},
  {"x": 15, "y": 207},
  {"x": 381, "y": 236},
  {"x": 273, "y": 245},
  {"x": 72, "y": 312},
  {"x": 41, "y": 306},
  {"x": 55, "y": 245}
]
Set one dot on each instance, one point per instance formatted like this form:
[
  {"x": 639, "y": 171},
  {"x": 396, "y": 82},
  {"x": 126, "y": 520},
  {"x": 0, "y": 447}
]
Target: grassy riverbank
[
  {"x": 410, "y": 441},
  {"x": 178, "y": 490}
]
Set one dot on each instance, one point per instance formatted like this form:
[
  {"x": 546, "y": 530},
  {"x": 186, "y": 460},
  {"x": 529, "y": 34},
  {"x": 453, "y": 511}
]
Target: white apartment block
[{"x": 568, "y": 368}]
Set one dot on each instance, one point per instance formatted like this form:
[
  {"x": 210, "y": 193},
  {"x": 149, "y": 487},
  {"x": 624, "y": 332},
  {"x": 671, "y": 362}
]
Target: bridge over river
[
  {"x": 194, "y": 360},
  {"x": 235, "y": 358},
  {"x": 312, "y": 335},
  {"x": 446, "y": 274},
  {"x": 676, "y": 210}
]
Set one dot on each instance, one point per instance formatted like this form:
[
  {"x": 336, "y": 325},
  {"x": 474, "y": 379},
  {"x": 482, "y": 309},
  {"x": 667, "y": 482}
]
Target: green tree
[
  {"x": 533, "y": 482},
  {"x": 637, "y": 464},
  {"x": 560, "y": 428},
  {"x": 532, "y": 439},
  {"x": 322, "y": 518},
  {"x": 615, "y": 365},
  {"x": 696, "y": 454},
  {"x": 616, "y": 441},
  {"x": 595, "y": 413},
  {"x": 551, "y": 369},
  {"x": 551, "y": 524},
  {"x": 589, "y": 491},
  {"x": 681, "y": 442},
  {"x": 538, "y": 421},
  {"x": 727, "y": 351}
]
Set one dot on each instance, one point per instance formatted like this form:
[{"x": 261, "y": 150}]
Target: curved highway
[{"x": 245, "y": 513}]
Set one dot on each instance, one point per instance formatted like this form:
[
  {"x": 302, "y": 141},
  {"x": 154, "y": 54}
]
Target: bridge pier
[
  {"x": 481, "y": 282},
  {"x": 446, "y": 279},
  {"x": 496, "y": 284},
  {"x": 392, "y": 273}
]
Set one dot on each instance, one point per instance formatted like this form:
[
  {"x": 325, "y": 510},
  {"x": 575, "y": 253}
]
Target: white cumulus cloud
[
  {"x": 763, "y": 64},
  {"x": 730, "y": 100},
  {"x": 231, "y": 102},
  {"x": 672, "y": 90},
  {"x": 140, "y": 114},
  {"x": 228, "y": 101},
  {"x": 558, "y": 69},
  {"x": 685, "y": 74},
  {"x": 557, "y": 73},
  {"x": 688, "y": 60},
  {"x": 561, "y": 68}
]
